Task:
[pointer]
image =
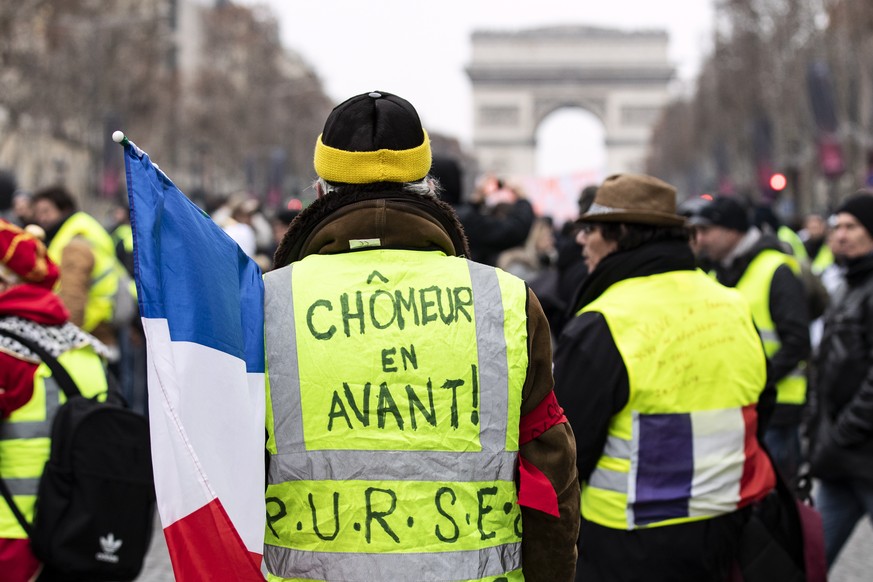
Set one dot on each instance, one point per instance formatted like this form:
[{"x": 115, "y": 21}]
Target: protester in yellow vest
[
  {"x": 790, "y": 238},
  {"x": 85, "y": 253},
  {"x": 29, "y": 396},
  {"x": 815, "y": 230},
  {"x": 660, "y": 373},
  {"x": 754, "y": 263},
  {"x": 122, "y": 238},
  {"x": 412, "y": 429}
]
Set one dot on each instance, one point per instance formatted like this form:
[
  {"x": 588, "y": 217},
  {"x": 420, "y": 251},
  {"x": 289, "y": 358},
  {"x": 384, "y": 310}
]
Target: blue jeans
[
  {"x": 841, "y": 504},
  {"x": 783, "y": 442}
]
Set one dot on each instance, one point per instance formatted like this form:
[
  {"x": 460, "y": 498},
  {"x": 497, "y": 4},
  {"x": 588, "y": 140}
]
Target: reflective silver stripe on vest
[
  {"x": 769, "y": 336},
  {"x": 391, "y": 466},
  {"x": 39, "y": 428},
  {"x": 22, "y": 486},
  {"x": 109, "y": 270},
  {"x": 491, "y": 343},
  {"x": 796, "y": 373},
  {"x": 427, "y": 567},
  {"x": 617, "y": 448},
  {"x": 284, "y": 374},
  {"x": 608, "y": 479}
]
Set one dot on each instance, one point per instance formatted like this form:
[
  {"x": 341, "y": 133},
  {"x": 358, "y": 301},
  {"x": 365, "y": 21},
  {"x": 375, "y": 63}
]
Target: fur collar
[{"x": 332, "y": 223}]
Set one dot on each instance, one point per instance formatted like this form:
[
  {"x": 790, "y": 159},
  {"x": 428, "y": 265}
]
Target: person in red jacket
[{"x": 30, "y": 309}]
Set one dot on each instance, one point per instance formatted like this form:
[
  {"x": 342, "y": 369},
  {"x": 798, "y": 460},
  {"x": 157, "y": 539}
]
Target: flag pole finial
[{"x": 119, "y": 137}]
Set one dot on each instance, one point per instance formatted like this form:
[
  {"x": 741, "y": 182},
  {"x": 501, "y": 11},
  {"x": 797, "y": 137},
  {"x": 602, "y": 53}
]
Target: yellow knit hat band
[{"x": 336, "y": 165}]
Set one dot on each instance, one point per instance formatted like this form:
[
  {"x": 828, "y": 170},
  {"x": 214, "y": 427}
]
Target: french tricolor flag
[
  {"x": 201, "y": 302},
  {"x": 697, "y": 464}
]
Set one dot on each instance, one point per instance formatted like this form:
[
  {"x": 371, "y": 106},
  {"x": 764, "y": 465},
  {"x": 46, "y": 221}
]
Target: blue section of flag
[
  {"x": 665, "y": 467},
  {"x": 188, "y": 271}
]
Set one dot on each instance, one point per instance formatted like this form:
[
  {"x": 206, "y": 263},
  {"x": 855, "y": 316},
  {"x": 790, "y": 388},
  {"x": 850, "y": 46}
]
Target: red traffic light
[{"x": 778, "y": 182}]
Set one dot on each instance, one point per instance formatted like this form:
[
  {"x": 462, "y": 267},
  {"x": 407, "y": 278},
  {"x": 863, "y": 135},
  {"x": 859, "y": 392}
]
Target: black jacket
[
  {"x": 842, "y": 403},
  {"x": 790, "y": 312},
  {"x": 494, "y": 230}
]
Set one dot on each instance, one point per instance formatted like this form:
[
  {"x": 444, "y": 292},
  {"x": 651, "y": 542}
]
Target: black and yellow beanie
[{"x": 374, "y": 137}]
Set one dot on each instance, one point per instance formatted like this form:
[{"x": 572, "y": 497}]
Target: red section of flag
[
  {"x": 204, "y": 545},
  {"x": 758, "y": 477}
]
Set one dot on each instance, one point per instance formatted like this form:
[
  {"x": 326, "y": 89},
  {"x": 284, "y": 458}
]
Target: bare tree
[{"x": 254, "y": 105}]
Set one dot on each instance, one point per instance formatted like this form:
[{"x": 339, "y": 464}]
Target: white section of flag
[
  {"x": 200, "y": 420},
  {"x": 719, "y": 456}
]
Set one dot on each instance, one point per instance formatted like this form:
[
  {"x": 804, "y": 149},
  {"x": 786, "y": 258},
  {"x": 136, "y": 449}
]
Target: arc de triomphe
[{"x": 520, "y": 77}]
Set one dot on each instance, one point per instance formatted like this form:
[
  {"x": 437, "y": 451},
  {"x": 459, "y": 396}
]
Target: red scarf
[
  {"x": 16, "y": 375},
  {"x": 34, "y": 303}
]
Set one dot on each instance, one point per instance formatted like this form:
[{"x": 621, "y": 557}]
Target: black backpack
[{"x": 95, "y": 503}]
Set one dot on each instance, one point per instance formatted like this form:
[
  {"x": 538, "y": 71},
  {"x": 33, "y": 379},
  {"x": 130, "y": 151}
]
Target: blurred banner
[{"x": 558, "y": 198}]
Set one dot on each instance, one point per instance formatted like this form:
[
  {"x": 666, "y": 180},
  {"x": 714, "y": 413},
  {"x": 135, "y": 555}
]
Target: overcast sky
[{"x": 419, "y": 50}]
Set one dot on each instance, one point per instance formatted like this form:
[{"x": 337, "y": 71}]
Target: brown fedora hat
[{"x": 634, "y": 199}]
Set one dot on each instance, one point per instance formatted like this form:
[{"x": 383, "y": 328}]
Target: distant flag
[{"x": 201, "y": 301}]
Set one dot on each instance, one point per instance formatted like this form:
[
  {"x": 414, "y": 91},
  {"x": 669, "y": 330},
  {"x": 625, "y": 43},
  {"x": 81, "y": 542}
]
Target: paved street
[
  {"x": 856, "y": 562},
  {"x": 157, "y": 567},
  {"x": 855, "y": 565}
]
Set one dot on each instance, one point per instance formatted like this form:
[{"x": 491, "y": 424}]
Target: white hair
[{"x": 427, "y": 186}]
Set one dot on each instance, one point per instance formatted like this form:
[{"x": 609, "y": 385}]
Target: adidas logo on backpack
[{"x": 110, "y": 545}]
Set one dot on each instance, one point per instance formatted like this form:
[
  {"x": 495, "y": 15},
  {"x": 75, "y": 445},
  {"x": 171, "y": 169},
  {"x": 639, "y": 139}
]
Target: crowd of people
[{"x": 615, "y": 399}]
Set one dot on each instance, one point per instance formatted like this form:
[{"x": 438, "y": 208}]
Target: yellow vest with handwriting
[
  {"x": 394, "y": 391},
  {"x": 684, "y": 447}
]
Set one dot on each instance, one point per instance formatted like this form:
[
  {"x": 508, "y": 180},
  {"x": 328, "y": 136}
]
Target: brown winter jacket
[
  {"x": 77, "y": 264},
  {"x": 409, "y": 221}
]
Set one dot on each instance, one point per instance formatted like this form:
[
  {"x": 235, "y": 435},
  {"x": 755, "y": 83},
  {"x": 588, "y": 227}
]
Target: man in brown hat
[
  {"x": 660, "y": 373},
  {"x": 413, "y": 431}
]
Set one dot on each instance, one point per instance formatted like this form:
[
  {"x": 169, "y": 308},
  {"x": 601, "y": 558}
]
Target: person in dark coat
[
  {"x": 497, "y": 218},
  {"x": 842, "y": 406},
  {"x": 756, "y": 264},
  {"x": 558, "y": 288},
  {"x": 660, "y": 374}
]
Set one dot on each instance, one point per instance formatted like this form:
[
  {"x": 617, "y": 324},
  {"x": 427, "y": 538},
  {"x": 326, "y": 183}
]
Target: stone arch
[
  {"x": 545, "y": 108},
  {"x": 570, "y": 141},
  {"x": 518, "y": 78}
]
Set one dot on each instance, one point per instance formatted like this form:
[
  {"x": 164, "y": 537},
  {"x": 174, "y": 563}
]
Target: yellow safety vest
[
  {"x": 823, "y": 259},
  {"x": 25, "y": 436},
  {"x": 788, "y": 236},
  {"x": 684, "y": 447},
  {"x": 105, "y": 273},
  {"x": 124, "y": 235},
  {"x": 755, "y": 287},
  {"x": 394, "y": 385}
]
